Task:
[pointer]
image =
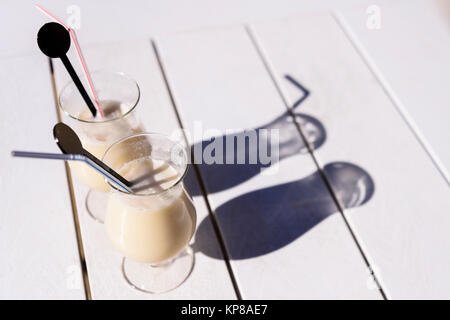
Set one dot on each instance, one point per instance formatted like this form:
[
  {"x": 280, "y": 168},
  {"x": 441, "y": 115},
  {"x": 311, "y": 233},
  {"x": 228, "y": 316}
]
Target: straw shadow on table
[
  {"x": 268, "y": 219},
  {"x": 220, "y": 177}
]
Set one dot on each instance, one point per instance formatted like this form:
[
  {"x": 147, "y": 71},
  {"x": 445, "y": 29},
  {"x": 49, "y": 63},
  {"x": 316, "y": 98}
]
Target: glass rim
[
  {"x": 122, "y": 74},
  {"x": 154, "y": 134}
]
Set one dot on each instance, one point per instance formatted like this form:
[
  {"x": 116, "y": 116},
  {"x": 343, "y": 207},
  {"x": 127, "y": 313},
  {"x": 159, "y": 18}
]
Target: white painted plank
[
  {"x": 210, "y": 278},
  {"x": 411, "y": 50},
  {"x": 282, "y": 231},
  {"x": 39, "y": 256},
  {"x": 106, "y": 20},
  {"x": 404, "y": 227}
]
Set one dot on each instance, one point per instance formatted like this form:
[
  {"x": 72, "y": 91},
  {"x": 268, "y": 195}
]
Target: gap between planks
[
  {"x": 198, "y": 176},
  {"x": 389, "y": 91},
  {"x": 87, "y": 288},
  {"x": 270, "y": 70}
]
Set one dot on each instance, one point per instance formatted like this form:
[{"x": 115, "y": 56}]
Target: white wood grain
[
  {"x": 411, "y": 51},
  {"x": 404, "y": 228},
  {"x": 105, "y": 20},
  {"x": 39, "y": 256},
  {"x": 278, "y": 249},
  {"x": 210, "y": 278}
]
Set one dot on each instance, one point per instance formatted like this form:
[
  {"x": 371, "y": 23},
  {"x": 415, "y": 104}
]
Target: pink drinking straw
[{"x": 80, "y": 55}]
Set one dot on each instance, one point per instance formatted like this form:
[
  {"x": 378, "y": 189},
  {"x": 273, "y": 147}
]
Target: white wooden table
[{"x": 364, "y": 214}]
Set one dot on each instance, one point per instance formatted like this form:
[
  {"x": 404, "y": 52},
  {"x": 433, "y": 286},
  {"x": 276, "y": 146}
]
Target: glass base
[
  {"x": 159, "y": 278},
  {"x": 96, "y": 202}
]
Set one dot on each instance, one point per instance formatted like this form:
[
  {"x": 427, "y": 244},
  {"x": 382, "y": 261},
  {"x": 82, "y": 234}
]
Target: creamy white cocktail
[
  {"x": 118, "y": 98},
  {"x": 153, "y": 225},
  {"x": 150, "y": 227},
  {"x": 98, "y": 136}
]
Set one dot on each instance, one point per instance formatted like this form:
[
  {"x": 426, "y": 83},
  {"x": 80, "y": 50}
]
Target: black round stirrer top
[{"x": 54, "y": 41}]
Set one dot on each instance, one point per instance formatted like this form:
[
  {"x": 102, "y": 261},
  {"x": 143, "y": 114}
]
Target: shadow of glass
[
  {"x": 266, "y": 220},
  {"x": 218, "y": 177}
]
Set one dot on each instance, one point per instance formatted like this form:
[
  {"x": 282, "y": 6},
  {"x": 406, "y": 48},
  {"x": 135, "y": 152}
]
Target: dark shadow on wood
[
  {"x": 219, "y": 177},
  {"x": 268, "y": 219}
]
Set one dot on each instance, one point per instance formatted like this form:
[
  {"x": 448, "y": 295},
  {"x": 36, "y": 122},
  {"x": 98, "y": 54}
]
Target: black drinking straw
[{"x": 54, "y": 41}]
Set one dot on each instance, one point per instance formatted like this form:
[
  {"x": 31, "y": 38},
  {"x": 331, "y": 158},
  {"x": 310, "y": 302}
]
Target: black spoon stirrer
[
  {"x": 69, "y": 143},
  {"x": 54, "y": 41}
]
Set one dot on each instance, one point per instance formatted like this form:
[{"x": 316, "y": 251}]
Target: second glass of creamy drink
[
  {"x": 118, "y": 97},
  {"x": 153, "y": 225}
]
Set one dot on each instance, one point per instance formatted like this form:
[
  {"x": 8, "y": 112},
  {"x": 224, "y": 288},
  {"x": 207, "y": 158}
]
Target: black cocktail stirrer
[
  {"x": 54, "y": 41},
  {"x": 69, "y": 143}
]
